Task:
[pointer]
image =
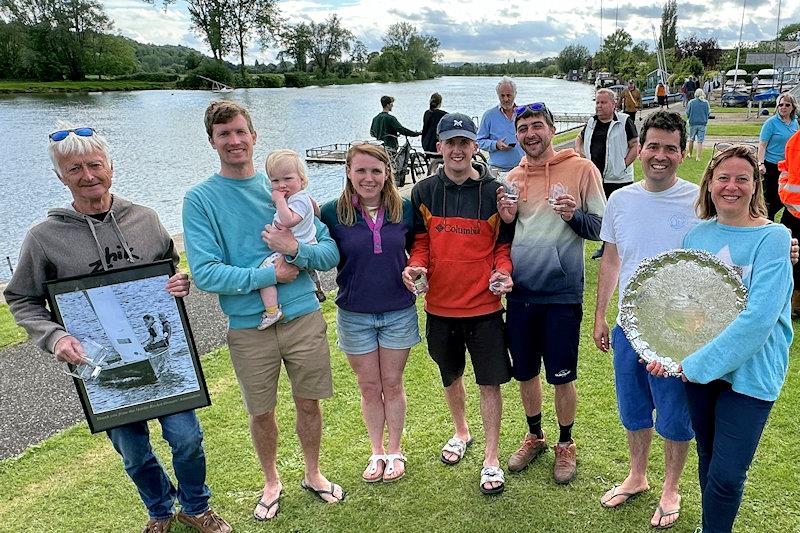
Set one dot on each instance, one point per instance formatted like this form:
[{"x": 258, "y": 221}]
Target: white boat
[
  {"x": 739, "y": 84},
  {"x": 144, "y": 364}
]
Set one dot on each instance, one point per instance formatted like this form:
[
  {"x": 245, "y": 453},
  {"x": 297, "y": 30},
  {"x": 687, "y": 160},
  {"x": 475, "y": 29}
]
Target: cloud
[{"x": 482, "y": 31}]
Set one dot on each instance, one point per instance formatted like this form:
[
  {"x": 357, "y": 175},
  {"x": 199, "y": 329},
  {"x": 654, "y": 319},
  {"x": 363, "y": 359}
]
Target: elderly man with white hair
[
  {"x": 497, "y": 134},
  {"x": 99, "y": 231}
]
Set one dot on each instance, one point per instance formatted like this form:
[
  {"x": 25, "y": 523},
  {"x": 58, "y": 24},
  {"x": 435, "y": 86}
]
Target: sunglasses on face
[
  {"x": 784, "y": 105},
  {"x": 60, "y": 135}
]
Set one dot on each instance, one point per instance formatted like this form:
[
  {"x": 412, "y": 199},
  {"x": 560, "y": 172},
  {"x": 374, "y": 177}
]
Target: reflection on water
[
  {"x": 160, "y": 148},
  {"x": 137, "y": 298}
]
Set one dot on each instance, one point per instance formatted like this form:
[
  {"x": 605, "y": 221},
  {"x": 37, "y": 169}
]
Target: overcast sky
[{"x": 476, "y": 30}]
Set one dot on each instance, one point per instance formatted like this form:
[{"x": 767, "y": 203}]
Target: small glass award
[{"x": 94, "y": 355}]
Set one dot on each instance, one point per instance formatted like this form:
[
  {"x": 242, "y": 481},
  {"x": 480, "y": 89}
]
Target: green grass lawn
[
  {"x": 10, "y": 332},
  {"x": 80, "y": 86},
  {"x": 74, "y": 481}
]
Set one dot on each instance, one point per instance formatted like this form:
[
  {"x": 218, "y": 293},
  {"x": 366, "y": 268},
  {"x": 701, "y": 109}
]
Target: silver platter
[{"x": 676, "y": 302}]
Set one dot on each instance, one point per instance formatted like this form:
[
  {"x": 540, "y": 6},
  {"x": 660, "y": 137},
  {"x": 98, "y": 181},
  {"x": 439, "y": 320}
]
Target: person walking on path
[
  {"x": 496, "y": 133},
  {"x": 697, "y": 112},
  {"x": 376, "y": 320},
  {"x": 100, "y": 231},
  {"x": 560, "y": 205},
  {"x": 461, "y": 252},
  {"x": 222, "y": 217},
  {"x": 630, "y": 100}
]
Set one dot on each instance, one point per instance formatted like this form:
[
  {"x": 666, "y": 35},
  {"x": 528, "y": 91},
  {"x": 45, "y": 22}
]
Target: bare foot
[
  {"x": 265, "y": 511},
  {"x": 667, "y": 512}
]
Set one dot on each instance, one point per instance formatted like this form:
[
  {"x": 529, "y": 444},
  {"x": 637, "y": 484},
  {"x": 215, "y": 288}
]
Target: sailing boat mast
[
  {"x": 739, "y": 47},
  {"x": 777, "y": 34}
]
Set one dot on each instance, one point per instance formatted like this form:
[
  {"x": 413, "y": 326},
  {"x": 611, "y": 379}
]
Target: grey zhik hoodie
[{"x": 68, "y": 243}]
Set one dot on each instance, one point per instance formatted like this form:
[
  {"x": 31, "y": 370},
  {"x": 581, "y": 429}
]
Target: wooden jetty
[{"x": 332, "y": 153}]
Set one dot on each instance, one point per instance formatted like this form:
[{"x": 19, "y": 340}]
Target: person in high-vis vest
[{"x": 789, "y": 193}]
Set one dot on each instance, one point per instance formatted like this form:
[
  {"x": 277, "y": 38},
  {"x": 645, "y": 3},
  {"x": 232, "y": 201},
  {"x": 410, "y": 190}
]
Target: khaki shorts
[{"x": 302, "y": 345}]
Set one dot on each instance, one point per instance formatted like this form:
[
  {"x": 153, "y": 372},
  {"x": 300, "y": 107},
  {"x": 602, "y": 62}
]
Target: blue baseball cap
[{"x": 456, "y": 125}]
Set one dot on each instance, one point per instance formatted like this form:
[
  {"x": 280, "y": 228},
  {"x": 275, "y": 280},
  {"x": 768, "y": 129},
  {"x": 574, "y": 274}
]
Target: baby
[{"x": 293, "y": 209}]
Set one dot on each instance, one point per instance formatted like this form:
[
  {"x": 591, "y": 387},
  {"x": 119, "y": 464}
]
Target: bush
[
  {"x": 297, "y": 79},
  {"x": 159, "y": 77},
  {"x": 269, "y": 81}
]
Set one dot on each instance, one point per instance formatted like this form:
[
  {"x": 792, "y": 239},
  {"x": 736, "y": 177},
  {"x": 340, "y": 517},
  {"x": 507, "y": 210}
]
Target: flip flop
[
  {"x": 662, "y": 515},
  {"x": 320, "y": 493},
  {"x": 615, "y": 493},
  {"x": 268, "y": 506},
  {"x": 456, "y": 446}
]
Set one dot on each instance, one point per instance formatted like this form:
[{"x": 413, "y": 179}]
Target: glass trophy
[{"x": 90, "y": 368}]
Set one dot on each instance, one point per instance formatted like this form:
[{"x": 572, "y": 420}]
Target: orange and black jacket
[
  {"x": 460, "y": 239},
  {"x": 789, "y": 189}
]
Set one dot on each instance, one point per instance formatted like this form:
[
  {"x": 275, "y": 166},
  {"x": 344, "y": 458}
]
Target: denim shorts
[
  {"x": 697, "y": 132},
  {"x": 639, "y": 394},
  {"x": 363, "y": 333}
]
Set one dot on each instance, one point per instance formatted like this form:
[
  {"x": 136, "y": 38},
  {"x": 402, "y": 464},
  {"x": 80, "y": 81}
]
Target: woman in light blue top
[
  {"x": 771, "y": 148},
  {"x": 733, "y": 381},
  {"x": 697, "y": 113}
]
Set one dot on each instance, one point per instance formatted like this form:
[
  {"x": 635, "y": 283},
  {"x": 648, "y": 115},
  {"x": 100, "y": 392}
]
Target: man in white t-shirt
[{"x": 640, "y": 221}]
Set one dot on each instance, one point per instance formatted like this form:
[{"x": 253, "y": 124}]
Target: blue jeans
[
  {"x": 727, "y": 428},
  {"x": 182, "y": 432}
]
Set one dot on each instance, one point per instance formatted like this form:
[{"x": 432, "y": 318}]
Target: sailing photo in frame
[{"x": 138, "y": 337}]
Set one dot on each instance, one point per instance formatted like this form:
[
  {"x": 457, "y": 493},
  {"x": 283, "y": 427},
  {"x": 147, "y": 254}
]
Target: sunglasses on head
[
  {"x": 722, "y": 147},
  {"x": 60, "y": 135},
  {"x": 536, "y": 107}
]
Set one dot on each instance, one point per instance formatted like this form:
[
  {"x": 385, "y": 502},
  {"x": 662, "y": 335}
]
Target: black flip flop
[
  {"x": 320, "y": 493},
  {"x": 268, "y": 506}
]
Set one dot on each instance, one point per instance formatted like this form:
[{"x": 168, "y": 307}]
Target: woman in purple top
[{"x": 377, "y": 318}]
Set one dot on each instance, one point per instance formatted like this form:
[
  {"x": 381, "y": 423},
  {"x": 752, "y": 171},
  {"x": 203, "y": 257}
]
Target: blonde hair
[
  {"x": 789, "y": 98},
  {"x": 706, "y": 209},
  {"x": 391, "y": 200},
  {"x": 277, "y": 157}
]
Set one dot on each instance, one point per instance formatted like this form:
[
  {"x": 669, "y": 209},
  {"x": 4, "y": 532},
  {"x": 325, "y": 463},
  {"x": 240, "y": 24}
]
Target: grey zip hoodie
[{"x": 68, "y": 243}]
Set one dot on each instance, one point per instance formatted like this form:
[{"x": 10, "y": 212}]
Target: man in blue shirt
[
  {"x": 497, "y": 134},
  {"x": 223, "y": 219}
]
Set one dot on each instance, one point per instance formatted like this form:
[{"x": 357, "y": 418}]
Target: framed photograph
[{"x": 139, "y": 337}]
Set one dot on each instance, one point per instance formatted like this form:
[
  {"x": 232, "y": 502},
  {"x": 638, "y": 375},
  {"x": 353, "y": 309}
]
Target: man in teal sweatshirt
[{"x": 223, "y": 219}]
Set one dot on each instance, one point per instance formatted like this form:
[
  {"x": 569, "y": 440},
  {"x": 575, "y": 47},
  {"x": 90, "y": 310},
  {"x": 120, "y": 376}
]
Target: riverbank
[{"x": 86, "y": 86}]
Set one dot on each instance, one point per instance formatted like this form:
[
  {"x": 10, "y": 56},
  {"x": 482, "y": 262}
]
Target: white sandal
[
  {"x": 389, "y": 469},
  {"x": 492, "y": 474},
  {"x": 372, "y": 468},
  {"x": 455, "y": 446}
]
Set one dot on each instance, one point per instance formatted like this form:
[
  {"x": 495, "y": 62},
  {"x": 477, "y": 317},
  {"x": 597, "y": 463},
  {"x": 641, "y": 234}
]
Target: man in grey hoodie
[{"x": 97, "y": 232}]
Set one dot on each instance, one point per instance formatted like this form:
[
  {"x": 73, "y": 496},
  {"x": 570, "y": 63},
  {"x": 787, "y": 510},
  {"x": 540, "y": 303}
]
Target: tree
[
  {"x": 248, "y": 17},
  {"x": 572, "y": 57},
  {"x": 399, "y": 34},
  {"x": 419, "y": 51},
  {"x": 111, "y": 55},
  {"x": 706, "y": 50},
  {"x": 296, "y": 42},
  {"x": 328, "y": 41},
  {"x": 790, "y": 32},
  {"x": 614, "y": 50},
  {"x": 359, "y": 53},
  {"x": 210, "y": 20},
  {"x": 669, "y": 23}
]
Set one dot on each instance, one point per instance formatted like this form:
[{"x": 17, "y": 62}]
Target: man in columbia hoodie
[
  {"x": 463, "y": 247},
  {"x": 97, "y": 232},
  {"x": 560, "y": 205}
]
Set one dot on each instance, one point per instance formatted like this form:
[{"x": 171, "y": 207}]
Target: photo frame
[{"x": 141, "y": 338}]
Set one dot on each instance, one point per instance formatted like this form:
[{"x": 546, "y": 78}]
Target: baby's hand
[{"x": 278, "y": 194}]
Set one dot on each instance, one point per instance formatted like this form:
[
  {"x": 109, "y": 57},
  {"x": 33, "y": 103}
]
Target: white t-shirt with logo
[{"x": 643, "y": 224}]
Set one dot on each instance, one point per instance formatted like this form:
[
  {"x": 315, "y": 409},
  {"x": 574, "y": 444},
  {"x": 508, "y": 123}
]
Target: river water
[{"x": 160, "y": 149}]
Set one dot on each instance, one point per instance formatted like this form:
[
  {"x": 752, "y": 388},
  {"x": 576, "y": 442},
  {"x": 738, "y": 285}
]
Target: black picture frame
[{"x": 152, "y": 368}]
